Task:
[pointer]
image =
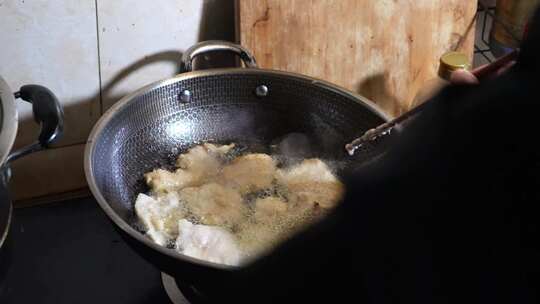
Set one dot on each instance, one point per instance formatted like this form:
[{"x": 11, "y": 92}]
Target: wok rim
[{"x": 124, "y": 101}]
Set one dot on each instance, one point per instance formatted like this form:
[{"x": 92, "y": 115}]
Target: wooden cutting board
[{"x": 382, "y": 49}]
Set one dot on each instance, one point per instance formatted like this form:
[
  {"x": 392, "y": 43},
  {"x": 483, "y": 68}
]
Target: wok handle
[
  {"x": 216, "y": 46},
  {"x": 47, "y": 112}
]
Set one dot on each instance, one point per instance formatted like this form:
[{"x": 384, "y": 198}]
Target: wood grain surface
[{"x": 382, "y": 49}]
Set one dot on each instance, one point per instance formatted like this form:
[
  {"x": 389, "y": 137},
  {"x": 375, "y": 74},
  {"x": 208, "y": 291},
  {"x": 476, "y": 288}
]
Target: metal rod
[{"x": 387, "y": 127}]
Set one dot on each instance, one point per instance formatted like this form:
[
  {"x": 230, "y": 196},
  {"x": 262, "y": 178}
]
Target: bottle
[
  {"x": 512, "y": 17},
  {"x": 448, "y": 63}
]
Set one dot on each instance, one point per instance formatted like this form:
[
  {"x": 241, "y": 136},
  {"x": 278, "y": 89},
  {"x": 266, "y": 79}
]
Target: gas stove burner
[
  {"x": 174, "y": 293},
  {"x": 180, "y": 293}
]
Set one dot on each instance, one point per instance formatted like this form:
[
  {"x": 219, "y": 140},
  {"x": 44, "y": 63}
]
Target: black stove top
[{"x": 69, "y": 253}]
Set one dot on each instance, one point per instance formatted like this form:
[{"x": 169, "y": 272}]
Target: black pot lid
[{"x": 8, "y": 120}]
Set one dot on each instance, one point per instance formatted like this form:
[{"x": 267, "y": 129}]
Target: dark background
[{"x": 68, "y": 252}]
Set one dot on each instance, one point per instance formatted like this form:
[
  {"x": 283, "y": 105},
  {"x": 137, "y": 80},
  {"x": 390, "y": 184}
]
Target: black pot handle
[{"x": 47, "y": 112}]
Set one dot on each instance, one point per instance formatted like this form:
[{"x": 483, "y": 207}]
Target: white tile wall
[
  {"x": 141, "y": 42},
  {"x": 79, "y": 47},
  {"x": 53, "y": 43}
]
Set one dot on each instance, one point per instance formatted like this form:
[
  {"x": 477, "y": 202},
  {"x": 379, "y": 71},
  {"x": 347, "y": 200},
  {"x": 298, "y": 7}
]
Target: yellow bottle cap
[{"x": 451, "y": 62}]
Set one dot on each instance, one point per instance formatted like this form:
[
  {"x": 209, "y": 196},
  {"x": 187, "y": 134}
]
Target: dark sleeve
[{"x": 448, "y": 214}]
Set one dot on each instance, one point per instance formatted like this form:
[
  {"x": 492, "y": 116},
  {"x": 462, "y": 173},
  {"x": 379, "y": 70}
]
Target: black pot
[{"x": 48, "y": 113}]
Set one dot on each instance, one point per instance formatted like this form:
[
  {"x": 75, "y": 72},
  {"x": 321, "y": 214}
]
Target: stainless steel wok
[{"x": 251, "y": 106}]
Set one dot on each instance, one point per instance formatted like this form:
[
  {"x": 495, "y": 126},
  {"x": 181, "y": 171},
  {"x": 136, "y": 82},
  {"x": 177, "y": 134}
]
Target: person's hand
[{"x": 491, "y": 70}]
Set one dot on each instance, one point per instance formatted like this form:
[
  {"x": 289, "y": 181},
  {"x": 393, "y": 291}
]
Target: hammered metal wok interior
[{"x": 150, "y": 127}]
